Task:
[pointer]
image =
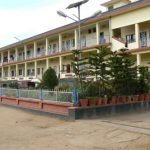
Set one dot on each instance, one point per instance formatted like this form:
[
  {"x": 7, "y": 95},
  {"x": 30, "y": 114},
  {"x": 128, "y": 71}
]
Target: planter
[
  {"x": 100, "y": 100},
  {"x": 122, "y": 99},
  {"x": 104, "y": 101},
  {"x": 141, "y": 97},
  {"x": 114, "y": 100},
  {"x": 135, "y": 98},
  {"x": 147, "y": 97},
  {"x": 93, "y": 101},
  {"x": 84, "y": 102}
]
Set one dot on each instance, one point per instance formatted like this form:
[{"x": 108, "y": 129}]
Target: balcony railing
[
  {"x": 21, "y": 58},
  {"x": 41, "y": 53},
  {"x": 29, "y": 56}
]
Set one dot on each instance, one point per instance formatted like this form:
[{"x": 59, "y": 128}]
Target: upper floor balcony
[{"x": 132, "y": 37}]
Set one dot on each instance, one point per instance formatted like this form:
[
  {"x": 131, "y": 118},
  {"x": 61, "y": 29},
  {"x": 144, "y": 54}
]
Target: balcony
[
  {"x": 29, "y": 55},
  {"x": 41, "y": 53}
]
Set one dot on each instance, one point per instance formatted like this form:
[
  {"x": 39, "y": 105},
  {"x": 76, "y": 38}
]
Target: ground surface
[{"x": 20, "y": 130}]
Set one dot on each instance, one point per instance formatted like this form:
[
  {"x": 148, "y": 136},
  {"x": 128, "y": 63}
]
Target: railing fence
[{"x": 41, "y": 94}]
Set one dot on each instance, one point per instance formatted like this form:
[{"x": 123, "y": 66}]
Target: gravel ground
[{"x": 20, "y": 130}]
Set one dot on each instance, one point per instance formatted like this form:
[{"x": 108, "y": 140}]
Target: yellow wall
[{"x": 130, "y": 18}]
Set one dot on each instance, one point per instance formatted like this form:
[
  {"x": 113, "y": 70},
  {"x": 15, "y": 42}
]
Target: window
[
  {"x": 12, "y": 73},
  {"x": 38, "y": 71},
  {"x": 20, "y": 72},
  {"x": 94, "y": 29},
  {"x": 72, "y": 42},
  {"x": 38, "y": 50},
  {"x": 28, "y": 72},
  {"x": 33, "y": 72},
  {"x": 89, "y": 31},
  {"x": 42, "y": 71},
  {"x": 130, "y": 38}
]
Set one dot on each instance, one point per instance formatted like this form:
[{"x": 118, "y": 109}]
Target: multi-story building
[{"x": 126, "y": 23}]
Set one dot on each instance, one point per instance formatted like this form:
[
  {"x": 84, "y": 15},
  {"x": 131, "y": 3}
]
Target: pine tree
[{"x": 98, "y": 66}]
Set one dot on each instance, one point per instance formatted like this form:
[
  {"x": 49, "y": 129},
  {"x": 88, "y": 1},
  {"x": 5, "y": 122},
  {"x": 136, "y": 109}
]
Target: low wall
[
  {"x": 97, "y": 111},
  {"x": 58, "y": 108}
]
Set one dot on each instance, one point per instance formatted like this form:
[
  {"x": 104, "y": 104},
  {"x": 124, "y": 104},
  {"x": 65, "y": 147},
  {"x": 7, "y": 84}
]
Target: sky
[{"x": 25, "y": 18}]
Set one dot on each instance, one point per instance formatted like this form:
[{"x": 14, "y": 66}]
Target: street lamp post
[{"x": 74, "y": 5}]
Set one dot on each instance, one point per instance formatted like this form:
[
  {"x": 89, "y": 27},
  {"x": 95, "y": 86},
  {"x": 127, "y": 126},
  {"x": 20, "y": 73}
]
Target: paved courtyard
[{"x": 20, "y": 130}]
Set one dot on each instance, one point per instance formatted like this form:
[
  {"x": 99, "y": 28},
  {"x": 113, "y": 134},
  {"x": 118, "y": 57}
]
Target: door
[
  {"x": 102, "y": 39},
  {"x": 143, "y": 39}
]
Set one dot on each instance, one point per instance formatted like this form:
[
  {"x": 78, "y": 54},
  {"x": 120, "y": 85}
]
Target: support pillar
[
  {"x": 47, "y": 63},
  {"x": 35, "y": 48},
  {"x": 97, "y": 33},
  {"x": 16, "y": 70},
  {"x": 16, "y": 54},
  {"x": 8, "y": 56},
  {"x": 46, "y": 53},
  {"x": 138, "y": 56},
  {"x": 35, "y": 68},
  {"x": 76, "y": 38},
  {"x": 60, "y": 66},
  {"x": 137, "y": 35},
  {"x": 60, "y": 42},
  {"x": 25, "y": 70},
  {"x": 25, "y": 52}
]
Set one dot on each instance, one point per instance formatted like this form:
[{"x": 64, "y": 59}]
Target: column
[
  {"x": 35, "y": 48},
  {"x": 110, "y": 31},
  {"x": 25, "y": 70},
  {"x": 25, "y": 52},
  {"x": 35, "y": 68},
  {"x": 9, "y": 73},
  {"x": 137, "y": 37},
  {"x": 97, "y": 33},
  {"x": 8, "y": 56},
  {"x": 16, "y": 54},
  {"x": 76, "y": 38},
  {"x": 138, "y": 59},
  {"x": 46, "y": 46},
  {"x": 2, "y": 57},
  {"x": 47, "y": 63},
  {"x": 16, "y": 70},
  {"x": 60, "y": 42},
  {"x": 2, "y": 72},
  {"x": 60, "y": 66}
]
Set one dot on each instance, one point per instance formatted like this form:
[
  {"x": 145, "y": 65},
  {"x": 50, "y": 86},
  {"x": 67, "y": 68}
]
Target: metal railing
[{"x": 40, "y": 94}]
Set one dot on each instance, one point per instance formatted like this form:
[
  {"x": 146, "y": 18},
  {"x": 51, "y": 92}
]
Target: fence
[{"x": 40, "y": 94}]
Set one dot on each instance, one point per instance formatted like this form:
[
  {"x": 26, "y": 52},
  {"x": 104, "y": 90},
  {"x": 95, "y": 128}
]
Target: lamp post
[{"x": 75, "y": 5}]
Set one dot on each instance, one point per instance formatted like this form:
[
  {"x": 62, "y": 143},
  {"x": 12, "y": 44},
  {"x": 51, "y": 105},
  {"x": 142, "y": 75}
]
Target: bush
[{"x": 49, "y": 79}]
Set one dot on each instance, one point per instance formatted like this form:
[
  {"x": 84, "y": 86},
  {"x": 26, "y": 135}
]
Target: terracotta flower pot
[
  {"x": 84, "y": 102},
  {"x": 122, "y": 99},
  {"x": 135, "y": 98},
  {"x": 93, "y": 101},
  {"x": 114, "y": 100},
  {"x": 100, "y": 101},
  {"x": 147, "y": 97},
  {"x": 141, "y": 97},
  {"x": 104, "y": 101}
]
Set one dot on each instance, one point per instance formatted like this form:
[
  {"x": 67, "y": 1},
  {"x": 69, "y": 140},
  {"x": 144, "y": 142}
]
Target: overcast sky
[{"x": 26, "y": 18}]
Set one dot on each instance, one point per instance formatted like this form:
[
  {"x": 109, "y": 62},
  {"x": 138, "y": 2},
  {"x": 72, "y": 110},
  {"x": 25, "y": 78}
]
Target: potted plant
[
  {"x": 114, "y": 100},
  {"x": 84, "y": 102},
  {"x": 93, "y": 101}
]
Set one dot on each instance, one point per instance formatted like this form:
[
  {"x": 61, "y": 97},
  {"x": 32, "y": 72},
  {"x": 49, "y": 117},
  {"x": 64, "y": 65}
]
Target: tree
[
  {"x": 98, "y": 66},
  {"x": 49, "y": 79},
  {"x": 123, "y": 73},
  {"x": 79, "y": 67}
]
